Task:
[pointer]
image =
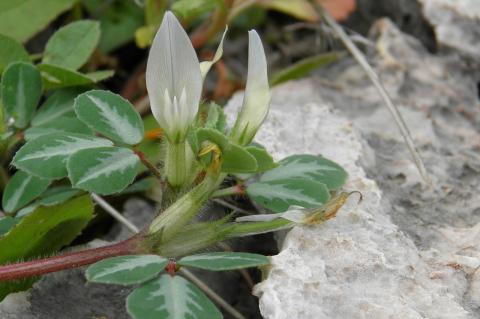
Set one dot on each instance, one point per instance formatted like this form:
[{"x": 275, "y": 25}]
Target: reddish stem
[
  {"x": 152, "y": 168},
  {"x": 171, "y": 267},
  {"x": 69, "y": 260}
]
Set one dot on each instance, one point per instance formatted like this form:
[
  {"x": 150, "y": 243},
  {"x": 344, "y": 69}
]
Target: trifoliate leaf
[
  {"x": 21, "y": 189},
  {"x": 110, "y": 115},
  {"x": 47, "y": 155},
  {"x": 219, "y": 261},
  {"x": 104, "y": 170},
  {"x": 279, "y": 195},
  {"x": 126, "y": 270},
  {"x": 170, "y": 298}
]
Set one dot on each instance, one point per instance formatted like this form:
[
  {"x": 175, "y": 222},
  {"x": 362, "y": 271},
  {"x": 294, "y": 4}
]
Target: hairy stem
[
  {"x": 234, "y": 190},
  {"x": 71, "y": 260},
  {"x": 152, "y": 168},
  {"x": 180, "y": 213}
]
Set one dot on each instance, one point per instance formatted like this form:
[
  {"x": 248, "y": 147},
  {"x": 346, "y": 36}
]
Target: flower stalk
[
  {"x": 229, "y": 191},
  {"x": 176, "y": 166}
]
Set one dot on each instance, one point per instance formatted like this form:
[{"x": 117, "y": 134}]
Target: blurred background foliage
[
  {"x": 127, "y": 28},
  {"x": 80, "y": 44}
]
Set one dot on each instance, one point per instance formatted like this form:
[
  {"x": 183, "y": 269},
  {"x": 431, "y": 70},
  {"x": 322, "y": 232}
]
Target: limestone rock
[
  {"x": 456, "y": 24},
  {"x": 389, "y": 257}
]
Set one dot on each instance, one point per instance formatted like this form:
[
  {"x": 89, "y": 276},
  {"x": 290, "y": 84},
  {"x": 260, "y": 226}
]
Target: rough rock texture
[
  {"x": 456, "y": 24},
  {"x": 406, "y": 14},
  {"x": 407, "y": 251}
]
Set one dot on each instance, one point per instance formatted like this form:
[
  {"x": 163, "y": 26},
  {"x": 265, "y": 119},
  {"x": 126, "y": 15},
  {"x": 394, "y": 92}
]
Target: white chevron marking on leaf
[
  {"x": 119, "y": 124},
  {"x": 115, "y": 162},
  {"x": 68, "y": 145}
]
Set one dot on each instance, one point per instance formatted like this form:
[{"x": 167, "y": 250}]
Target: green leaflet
[
  {"x": 58, "y": 104},
  {"x": 111, "y": 115},
  {"x": 7, "y": 223},
  {"x": 126, "y": 270},
  {"x": 52, "y": 196},
  {"x": 60, "y": 125},
  {"x": 219, "y": 261},
  {"x": 211, "y": 135},
  {"x": 98, "y": 76},
  {"x": 21, "y": 189},
  {"x": 141, "y": 185},
  {"x": 11, "y": 51},
  {"x": 279, "y": 195},
  {"x": 55, "y": 77},
  {"x": 47, "y": 155},
  {"x": 43, "y": 232},
  {"x": 309, "y": 167},
  {"x": 21, "y": 89},
  {"x": 236, "y": 159},
  {"x": 170, "y": 297},
  {"x": 303, "y": 67},
  {"x": 118, "y": 22},
  {"x": 105, "y": 170},
  {"x": 216, "y": 118},
  {"x": 22, "y": 19},
  {"x": 264, "y": 159},
  {"x": 71, "y": 46},
  {"x": 56, "y": 195}
]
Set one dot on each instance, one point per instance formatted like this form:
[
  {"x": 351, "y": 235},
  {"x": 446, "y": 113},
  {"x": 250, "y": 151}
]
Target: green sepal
[{"x": 264, "y": 160}]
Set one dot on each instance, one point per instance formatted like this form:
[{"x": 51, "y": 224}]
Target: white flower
[
  {"x": 256, "y": 100},
  {"x": 174, "y": 80}
]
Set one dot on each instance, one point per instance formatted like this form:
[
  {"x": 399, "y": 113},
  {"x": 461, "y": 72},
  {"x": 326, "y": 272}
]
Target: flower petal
[
  {"x": 206, "y": 65},
  {"x": 256, "y": 100},
  {"x": 173, "y": 66}
]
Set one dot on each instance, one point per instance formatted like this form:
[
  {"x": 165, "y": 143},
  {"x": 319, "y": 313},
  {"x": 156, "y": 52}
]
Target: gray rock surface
[
  {"x": 456, "y": 24},
  {"x": 408, "y": 250}
]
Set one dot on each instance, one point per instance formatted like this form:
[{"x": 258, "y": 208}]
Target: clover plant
[{"x": 82, "y": 142}]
